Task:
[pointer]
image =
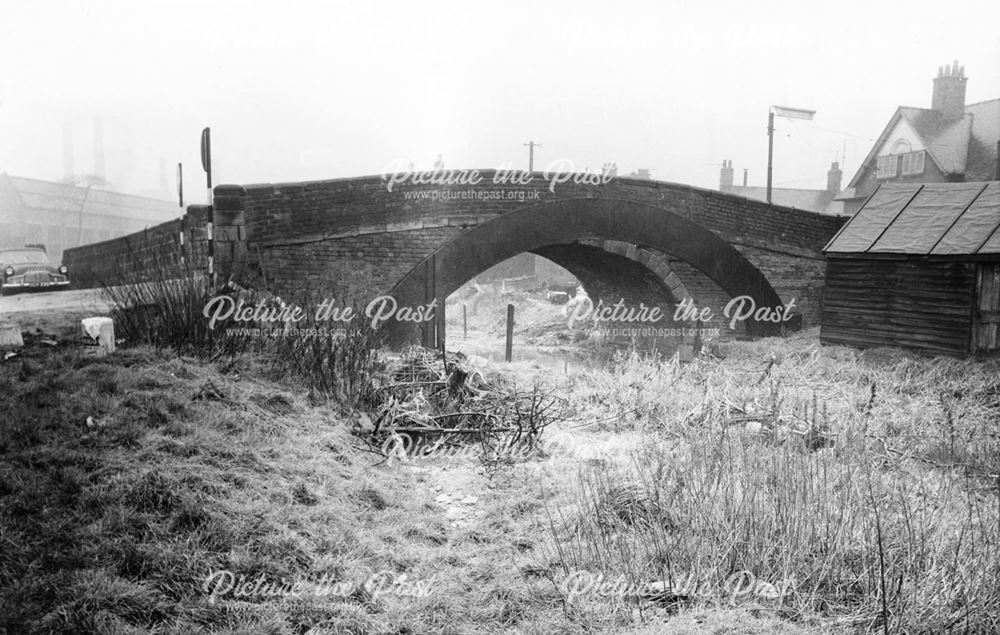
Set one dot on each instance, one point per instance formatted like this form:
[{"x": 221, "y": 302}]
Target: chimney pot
[
  {"x": 948, "y": 97},
  {"x": 726, "y": 176}
]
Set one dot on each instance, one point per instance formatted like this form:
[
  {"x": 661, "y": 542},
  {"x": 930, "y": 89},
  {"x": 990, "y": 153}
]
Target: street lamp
[{"x": 788, "y": 113}]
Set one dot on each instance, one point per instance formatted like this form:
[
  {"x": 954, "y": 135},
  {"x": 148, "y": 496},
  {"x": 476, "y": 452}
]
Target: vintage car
[{"x": 29, "y": 269}]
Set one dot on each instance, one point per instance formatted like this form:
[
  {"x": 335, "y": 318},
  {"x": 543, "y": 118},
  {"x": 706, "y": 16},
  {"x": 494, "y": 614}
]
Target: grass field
[
  {"x": 785, "y": 487},
  {"x": 809, "y": 481}
]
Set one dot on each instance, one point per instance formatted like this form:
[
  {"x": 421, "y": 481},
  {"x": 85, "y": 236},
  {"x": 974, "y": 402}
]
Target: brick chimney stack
[
  {"x": 949, "y": 92},
  {"x": 833, "y": 179},
  {"x": 726, "y": 176}
]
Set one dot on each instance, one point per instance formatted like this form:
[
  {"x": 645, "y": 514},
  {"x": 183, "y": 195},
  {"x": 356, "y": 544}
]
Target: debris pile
[
  {"x": 811, "y": 426},
  {"x": 427, "y": 403}
]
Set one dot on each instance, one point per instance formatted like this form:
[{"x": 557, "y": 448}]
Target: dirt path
[{"x": 458, "y": 490}]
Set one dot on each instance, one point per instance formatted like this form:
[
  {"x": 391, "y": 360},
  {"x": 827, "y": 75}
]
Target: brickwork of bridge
[{"x": 637, "y": 240}]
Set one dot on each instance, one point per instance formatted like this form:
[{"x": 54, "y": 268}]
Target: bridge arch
[{"x": 555, "y": 229}]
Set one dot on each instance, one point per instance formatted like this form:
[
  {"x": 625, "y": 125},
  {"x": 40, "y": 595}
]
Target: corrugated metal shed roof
[{"x": 936, "y": 219}]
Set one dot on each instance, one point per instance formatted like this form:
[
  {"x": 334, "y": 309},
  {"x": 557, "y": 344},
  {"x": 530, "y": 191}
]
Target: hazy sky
[{"x": 296, "y": 90}]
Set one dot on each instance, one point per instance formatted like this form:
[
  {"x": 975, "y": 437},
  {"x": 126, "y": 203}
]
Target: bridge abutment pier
[{"x": 229, "y": 229}]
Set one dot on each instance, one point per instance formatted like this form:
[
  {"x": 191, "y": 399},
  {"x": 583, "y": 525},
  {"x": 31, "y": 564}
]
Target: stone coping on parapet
[
  {"x": 369, "y": 179},
  {"x": 383, "y": 228}
]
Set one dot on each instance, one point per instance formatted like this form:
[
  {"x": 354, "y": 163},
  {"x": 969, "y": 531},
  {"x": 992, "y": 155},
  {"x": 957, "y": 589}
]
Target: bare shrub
[
  {"x": 161, "y": 304},
  {"x": 336, "y": 361}
]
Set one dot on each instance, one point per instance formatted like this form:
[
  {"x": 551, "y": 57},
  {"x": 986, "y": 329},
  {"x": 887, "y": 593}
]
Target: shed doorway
[{"x": 986, "y": 319}]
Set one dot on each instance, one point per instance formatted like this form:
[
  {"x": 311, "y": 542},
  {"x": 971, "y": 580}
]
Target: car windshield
[{"x": 24, "y": 256}]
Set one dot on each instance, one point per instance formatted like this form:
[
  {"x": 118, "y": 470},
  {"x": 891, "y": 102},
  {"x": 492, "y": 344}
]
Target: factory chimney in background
[
  {"x": 164, "y": 187},
  {"x": 67, "y": 150},
  {"x": 99, "y": 149}
]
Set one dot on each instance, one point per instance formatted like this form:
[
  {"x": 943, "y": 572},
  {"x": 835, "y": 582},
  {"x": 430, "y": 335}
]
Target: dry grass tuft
[{"x": 859, "y": 487}]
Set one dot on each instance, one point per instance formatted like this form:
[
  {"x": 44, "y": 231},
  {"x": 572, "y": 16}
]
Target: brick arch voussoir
[{"x": 536, "y": 228}]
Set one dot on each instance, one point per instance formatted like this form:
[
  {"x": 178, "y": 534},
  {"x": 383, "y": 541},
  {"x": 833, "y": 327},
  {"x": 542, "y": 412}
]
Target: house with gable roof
[{"x": 949, "y": 142}]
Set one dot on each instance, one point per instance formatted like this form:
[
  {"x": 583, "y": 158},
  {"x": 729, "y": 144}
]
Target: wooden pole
[
  {"x": 770, "y": 151},
  {"x": 465, "y": 321},
  {"x": 508, "y": 349}
]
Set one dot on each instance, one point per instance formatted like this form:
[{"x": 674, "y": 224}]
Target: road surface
[{"x": 54, "y": 312}]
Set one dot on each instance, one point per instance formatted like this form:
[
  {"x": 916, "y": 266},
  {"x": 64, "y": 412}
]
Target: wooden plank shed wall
[{"x": 912, "y": 303}]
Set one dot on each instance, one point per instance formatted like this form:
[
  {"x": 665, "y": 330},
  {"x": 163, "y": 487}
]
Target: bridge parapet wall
[
  {"x": 359, "y": 238},
  {"x": 140, "y": 254},
  {"x": 354, "y": 237},
  {"x": 363, "y": 205}
]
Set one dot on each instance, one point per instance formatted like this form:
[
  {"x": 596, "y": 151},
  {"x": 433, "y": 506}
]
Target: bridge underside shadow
[
  {"x": 608, "y": 276},
  {"x": 559, "y": 231}
]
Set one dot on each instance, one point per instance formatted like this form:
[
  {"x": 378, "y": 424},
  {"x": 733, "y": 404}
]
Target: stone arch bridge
[{"x": 638, "y": 240}]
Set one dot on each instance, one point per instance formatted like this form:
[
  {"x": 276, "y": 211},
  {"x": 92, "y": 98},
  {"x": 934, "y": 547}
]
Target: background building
[
  {"x": 948, "y": 142},
  {"x": 60, "y": 216},
  {"x": 822, "y": 201}
]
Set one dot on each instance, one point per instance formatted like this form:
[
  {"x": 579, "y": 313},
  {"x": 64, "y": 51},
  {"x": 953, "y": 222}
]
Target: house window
[
  {"x": 887, "y": 166},
  {"x": 913, "y": 162},
  {"x": 901, "y": 146}
]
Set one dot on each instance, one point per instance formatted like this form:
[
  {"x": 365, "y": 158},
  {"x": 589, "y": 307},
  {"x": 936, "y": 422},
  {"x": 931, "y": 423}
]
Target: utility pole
[
  {"x": 531, "y": 154},
  {"x": 770, "y": 150},
  {"x": 788, "y": 113}
]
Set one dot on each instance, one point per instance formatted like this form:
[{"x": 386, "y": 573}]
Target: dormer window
[
  {"x": 913, "y": 162},
  {"x": 888, "y": 166}
]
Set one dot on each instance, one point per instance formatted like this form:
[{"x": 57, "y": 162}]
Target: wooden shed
[{"x": 918, "y": 266}]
